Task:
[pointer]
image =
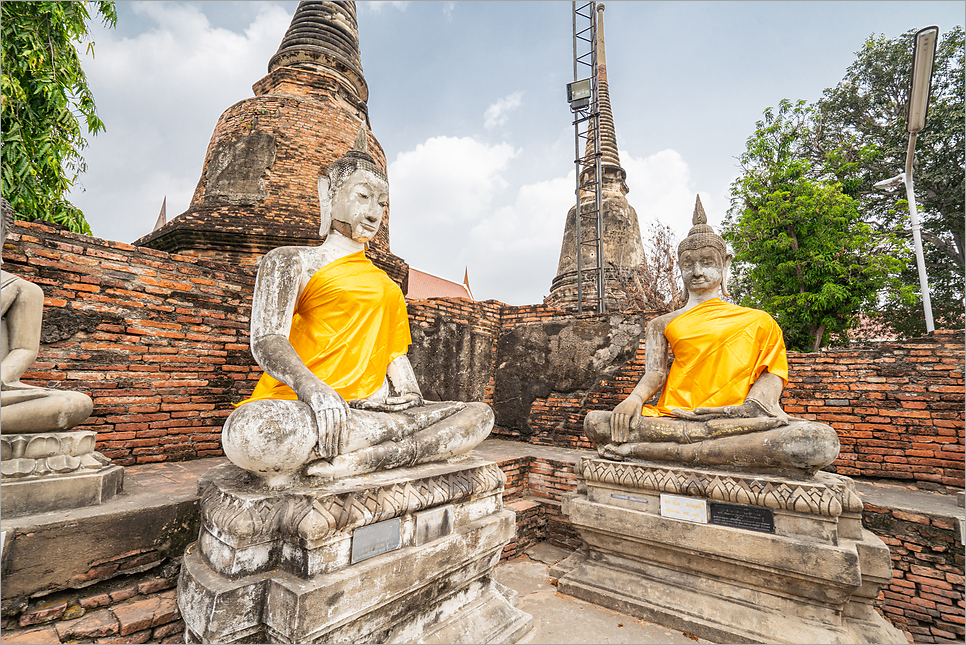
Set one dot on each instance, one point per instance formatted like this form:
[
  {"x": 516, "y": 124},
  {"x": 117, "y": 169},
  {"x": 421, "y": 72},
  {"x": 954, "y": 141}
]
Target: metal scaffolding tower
[{"x": 584, "y": 98}]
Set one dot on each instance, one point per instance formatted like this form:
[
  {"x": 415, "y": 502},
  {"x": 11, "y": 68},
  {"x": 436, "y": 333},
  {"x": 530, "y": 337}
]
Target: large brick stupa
[
  {"x": 626, "y": 282},
  {"x": 259, "y": 181}
]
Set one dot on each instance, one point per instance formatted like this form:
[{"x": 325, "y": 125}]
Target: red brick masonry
[{"x": 160, "y": 342}]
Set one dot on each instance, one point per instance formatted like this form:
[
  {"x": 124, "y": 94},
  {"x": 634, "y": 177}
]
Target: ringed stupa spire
[
  {"x": 259, "y": 181},
  {"x": 621, "y": 234},
  {"x": 610, "y": 161},
  {"x": 324, "y": 37}
]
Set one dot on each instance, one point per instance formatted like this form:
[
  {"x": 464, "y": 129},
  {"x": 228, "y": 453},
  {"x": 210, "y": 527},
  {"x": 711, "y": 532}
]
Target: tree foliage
[
  {"x": 44, "y": 98},
  {"x": 868, "y": 110},
  {"x": 802, "y": 251}
]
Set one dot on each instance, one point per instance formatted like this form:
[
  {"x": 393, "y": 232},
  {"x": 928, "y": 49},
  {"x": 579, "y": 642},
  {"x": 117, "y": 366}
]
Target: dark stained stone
[{"x": 537, "y": 359}]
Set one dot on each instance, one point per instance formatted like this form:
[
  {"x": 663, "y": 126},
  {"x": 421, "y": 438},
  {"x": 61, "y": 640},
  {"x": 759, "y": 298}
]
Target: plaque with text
[
  {"x": 375, "y": 539},
  {"x": 691, "y": 509},
  {"x": 751, "y": 518},
  {"x": 434, "y": 523}
]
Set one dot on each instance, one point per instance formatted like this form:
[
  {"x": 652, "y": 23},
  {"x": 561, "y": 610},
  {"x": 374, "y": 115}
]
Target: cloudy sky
[{"x": 468, "y": 101}]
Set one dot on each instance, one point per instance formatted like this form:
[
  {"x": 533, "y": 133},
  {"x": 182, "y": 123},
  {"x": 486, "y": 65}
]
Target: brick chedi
[
  {"x": 259, "y": 182},
  {"x": 623, "y": 249}
]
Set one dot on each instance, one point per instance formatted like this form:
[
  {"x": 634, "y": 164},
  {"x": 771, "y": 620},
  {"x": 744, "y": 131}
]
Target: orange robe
[
  {"x": 719, "y": 351},
  {"x": 350, "y": 322}
]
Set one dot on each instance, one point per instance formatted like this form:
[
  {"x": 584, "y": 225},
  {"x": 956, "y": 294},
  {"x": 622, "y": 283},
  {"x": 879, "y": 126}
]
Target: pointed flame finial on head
[
  {"x": 361, "y": 143},
  {"x": 356, "y": 158},
  {"x": 701, "y": 234},
  {"x": 699, "y": 216}
]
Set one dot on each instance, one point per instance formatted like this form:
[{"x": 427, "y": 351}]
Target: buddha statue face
[
  {"x": 357, "y": 205},
  {"x": 704, "y": 269}
]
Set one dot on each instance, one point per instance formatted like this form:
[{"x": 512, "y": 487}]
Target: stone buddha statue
[
  {"x": 719, "y": 401},
  {"x": 338, "y": 396},
  {"x": 28, "y": 409}
]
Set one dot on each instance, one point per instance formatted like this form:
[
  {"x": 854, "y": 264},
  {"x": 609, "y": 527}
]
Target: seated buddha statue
[
  {"x": 26, "y": 408},
  {"x": 719, "y": 401},
  {"x": 338, "y": 396}
]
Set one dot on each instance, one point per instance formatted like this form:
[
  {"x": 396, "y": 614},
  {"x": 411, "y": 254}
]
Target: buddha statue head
[
  {"x": 353, "y": 194},
  {"x": 703, "y": 256}
]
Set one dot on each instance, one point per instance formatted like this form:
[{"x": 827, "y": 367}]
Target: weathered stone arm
[
  {"x": 273, "y": 307},
  {"x": 23, "y": 310},
  {"x": 655, "y": 375}
]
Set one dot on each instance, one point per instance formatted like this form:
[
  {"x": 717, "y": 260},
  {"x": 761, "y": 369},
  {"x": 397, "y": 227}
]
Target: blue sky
[{"x": 468, "y": 101}]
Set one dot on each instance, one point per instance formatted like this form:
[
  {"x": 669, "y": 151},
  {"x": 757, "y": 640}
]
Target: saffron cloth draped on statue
[
  {"x": 719, "y": 350},
  {"x": 350, "y": 323}
]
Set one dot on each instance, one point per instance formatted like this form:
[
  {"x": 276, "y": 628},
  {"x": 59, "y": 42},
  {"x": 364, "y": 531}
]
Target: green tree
[
  {"x": 802, "y": 251},
  {"x": 868, "y": 107},
  {"x": 44, "y": 97}
]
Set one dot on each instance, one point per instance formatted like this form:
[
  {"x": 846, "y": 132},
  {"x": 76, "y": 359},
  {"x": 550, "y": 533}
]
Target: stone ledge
[{"x": 75, "y": 548}]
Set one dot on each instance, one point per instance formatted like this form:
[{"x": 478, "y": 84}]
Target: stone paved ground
[{"x": 561, "y": 619}]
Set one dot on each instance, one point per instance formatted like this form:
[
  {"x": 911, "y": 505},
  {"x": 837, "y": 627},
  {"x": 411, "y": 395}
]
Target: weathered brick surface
[
  {"x": 43, "y": 614},
  {"x": 897, "y": 407},
  {"x": 534, "y": 489},
  {"x": 312, "y": 119},
  {"x": 926, "y": 594},
  {"x": 32, "y": 637},
  {"x": 158, "y": 341},
  {"x": 141, "y": 608}
]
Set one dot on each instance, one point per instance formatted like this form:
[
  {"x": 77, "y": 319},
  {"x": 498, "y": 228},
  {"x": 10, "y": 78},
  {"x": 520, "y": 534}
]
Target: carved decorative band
[
  {"x": 311, "y": 515},
  {"x": 815, "y": 498},
  {"x": 47, "y": 453}
]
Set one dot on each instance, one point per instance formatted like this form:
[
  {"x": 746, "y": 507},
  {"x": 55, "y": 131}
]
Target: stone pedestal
[
  {"x": 400, "y": 556},
  {"x": 52, "y": 471},
  {"x": 726, "y": 556}
]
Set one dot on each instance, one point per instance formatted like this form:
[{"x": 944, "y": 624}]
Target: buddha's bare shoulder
[
  {"x": 297, "y": 258},
  {"x": 286, "y": 255},
  {"x": 660, "y": 322}
]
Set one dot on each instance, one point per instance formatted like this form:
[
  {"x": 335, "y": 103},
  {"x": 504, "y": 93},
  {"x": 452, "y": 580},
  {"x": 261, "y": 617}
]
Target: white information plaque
[{"x": 684, "y": 508}]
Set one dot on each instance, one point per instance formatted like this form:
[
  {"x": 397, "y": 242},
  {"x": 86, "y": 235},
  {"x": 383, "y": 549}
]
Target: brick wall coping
[
  {"x": 501, "y": 450},
  {"x": 908, "y": 499}
]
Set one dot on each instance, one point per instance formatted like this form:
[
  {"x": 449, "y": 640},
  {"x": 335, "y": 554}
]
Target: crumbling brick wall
[
  {"x": 137, "y": 608},
  {"x": 897, "y": 407},
  {"x": 926, "y": 594},
  {"x": 158, "y": 341}
]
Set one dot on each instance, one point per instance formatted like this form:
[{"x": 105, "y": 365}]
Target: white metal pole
[{"x": 916, "y": 236}]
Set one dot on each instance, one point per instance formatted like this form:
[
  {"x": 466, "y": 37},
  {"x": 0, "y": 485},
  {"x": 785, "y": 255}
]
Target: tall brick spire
[
  {"x": 324, "y": 37},
  {"x": 614, "y": 174},
  {"x": 622, "y": 244},
  {"x": 259, "y": 182}
]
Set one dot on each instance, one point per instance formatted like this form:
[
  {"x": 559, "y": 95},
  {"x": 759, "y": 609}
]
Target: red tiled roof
[{"x": 425, "y": 285}]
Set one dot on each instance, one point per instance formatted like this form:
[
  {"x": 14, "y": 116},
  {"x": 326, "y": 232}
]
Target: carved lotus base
[
  {"x": 400, "y": 556},
  {"x": 50, "y": 471},
  {"x": 772, "y": 561}
]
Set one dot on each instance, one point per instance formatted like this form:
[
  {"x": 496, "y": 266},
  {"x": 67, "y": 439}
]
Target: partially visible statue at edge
[
  {"x": 719, "y": 401},
  {"x": 28, "y": 409},
  {"x": 338, "y": 396}
]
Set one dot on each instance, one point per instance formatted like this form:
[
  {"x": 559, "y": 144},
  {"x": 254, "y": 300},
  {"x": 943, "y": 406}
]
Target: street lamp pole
[
  {"x": 920, "y": 83},
  {"x": 917, "y": 236}
]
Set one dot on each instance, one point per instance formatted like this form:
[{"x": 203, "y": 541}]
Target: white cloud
[
  {"x": 448, "y": 8},
  {"x": 376, "y": 6},
  {"x": 662, "y": 190},
  {"x": 450, "y": 210},
  {"x": 513, "y": 253},
  {"x": 448, "y": 179},
  {"x": 498, "y": 113},
  {"x": 160, "y": 94}
]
